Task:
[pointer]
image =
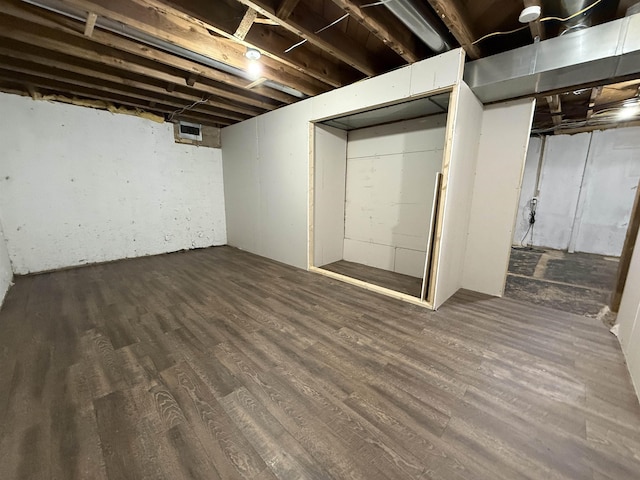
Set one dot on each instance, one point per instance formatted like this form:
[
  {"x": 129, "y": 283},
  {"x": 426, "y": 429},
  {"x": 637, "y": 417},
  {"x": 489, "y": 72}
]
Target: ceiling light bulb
[
  {"x": 530, "y": 14},
  {"x": 253, "y": 54},
  {"x": 628, "y": 112},
  {"x": 254, "y": 70}
]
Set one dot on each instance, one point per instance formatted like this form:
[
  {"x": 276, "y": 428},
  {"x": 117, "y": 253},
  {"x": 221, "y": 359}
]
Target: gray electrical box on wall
[{"x": 196, "y": 134}]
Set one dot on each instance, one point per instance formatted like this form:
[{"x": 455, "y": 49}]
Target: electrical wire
[
  {"x": 545, "y": 19},
  {"x": 533, "y": 204},
  {"x": 188, "y": 107},
  {"x": 335, "y": 22}
]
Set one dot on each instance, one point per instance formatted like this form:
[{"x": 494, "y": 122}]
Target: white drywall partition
[
  {"x": 277, "y": 171},
  {"x": 608, "y": 190},
  {"x": 266, "y": 171},
  {"x": 629, "y": 318},
  {"x": 458, "y": 178},
  {"x": 242, "y": 185},
  {"x": 6, "y": 273},
  {"x": 528, "y": 190},
  {"x": 80, "y": 186},
  {"x": 389, "y": 193},
  {"x": 501, "y": 158},
  {"x": 330, "y": 147},
  {"x": 588, "y": 184}
]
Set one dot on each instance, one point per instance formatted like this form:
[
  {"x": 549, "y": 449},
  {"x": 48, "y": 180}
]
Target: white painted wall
[
  {"x": 458, "y": 187},
  {"x": 504, "y": 138},
  {"x": 330, "y": 146},
  {"x": 266, "y": 159},
  {"x": 80, "y": 186},
  {"x": 389, "y": 193},
  {"x": 528, "y": 188},
  {"x": 629, "y": 318},
  {"x": 6, "y": 274},
  {"x": 266, "y": 184},
  {"x": 587, "y": 187}
]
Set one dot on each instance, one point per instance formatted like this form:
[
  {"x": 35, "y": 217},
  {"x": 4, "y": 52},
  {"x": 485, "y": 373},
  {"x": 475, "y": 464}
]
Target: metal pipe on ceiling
[{"x": 416, "y": 18}]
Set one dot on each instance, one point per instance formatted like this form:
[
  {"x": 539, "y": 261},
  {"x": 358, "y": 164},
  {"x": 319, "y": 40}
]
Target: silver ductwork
[
  {"x": 415, "y": 17},
  {"x": 599, "y": 13},
  {"x": 602, "y": 53}
]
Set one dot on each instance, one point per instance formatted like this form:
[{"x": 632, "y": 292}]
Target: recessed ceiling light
[
  {"x": 530, "y": 14},
  {"x": 253, "y": 54}
]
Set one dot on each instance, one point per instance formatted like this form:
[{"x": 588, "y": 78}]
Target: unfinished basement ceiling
[{"x": 186, "y": 60}]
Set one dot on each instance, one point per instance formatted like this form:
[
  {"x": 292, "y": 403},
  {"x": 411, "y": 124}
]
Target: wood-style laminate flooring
[
  {"x": 219, "y": 364},
  {"x": 377, "y": 276}
]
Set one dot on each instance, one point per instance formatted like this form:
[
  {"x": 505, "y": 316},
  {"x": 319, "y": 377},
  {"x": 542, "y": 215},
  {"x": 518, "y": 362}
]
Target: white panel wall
[
  {"x": 629, "y": 318},
  {"x": 501, "y": 158},
  {"x": 588, "y": 184},
  {"x": 608, "y": 191},
  {"x": 560, "y": 181},
  {"x": 389, "y": 192},
  {"x": 528, "y": 189},
  {"x": 458, "y": 185},
  {"x": 79, "y": 186},
  {"x": 329, "y": 194},
  {"x": 266, "y": 163},
  {"x": 277, "y": 170},
  {"x": 6, "y": 273},
  {"x": 434, "y": 73}
]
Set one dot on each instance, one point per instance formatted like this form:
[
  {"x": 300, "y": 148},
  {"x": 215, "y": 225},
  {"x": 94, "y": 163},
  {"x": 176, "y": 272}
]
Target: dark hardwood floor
[
  {"x": 219, "y": 364},
  {"x": 377, "y": 276}
]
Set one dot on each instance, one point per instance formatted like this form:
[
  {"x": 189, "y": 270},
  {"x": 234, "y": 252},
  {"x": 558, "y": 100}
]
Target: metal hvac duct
[
  {"x": 416, "y": 17},
  {"x": 600, "y": 13},
  {"x": 605, "y": 52}
]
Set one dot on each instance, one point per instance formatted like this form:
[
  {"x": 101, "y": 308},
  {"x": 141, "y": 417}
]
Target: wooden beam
[
  {"x": 453, "y": 14},
  {"x": 555, "y": 107},
  {"x": 83, "y": 48},
  {"x": 245, "y": 24},
  {"x": 90, "y": 24},
  {"x": 266, "y": 21},
  {"x": 627, "y": 251},
  {"x": 39, "y": 18},
  {"x": 286, "y": 8},
  {"x": 304, "y": 22},
  {"x": 266, "y": 39},
  {"x": 66, "y": 88},
  {"x": 259, "y": 81},
  {"x": 386, "y": 28},
  {"x": 191, "y": 79},
  {"x": 595, "y": 93},
  {"x": 195, "y": 38},
  {"x": 65, "y": 64},
  {"x": 102, "y": 87}
]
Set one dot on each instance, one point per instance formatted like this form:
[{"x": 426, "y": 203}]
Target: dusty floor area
[{"x": 579, "y": 283}]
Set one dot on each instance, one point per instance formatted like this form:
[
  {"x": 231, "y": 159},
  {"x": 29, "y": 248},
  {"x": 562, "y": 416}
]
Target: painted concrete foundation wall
[
  {"x": 629, "y": 318},
  {"x": 266, "y": 159},
  {"x": 587, "y": 186},
  {"x": 6, "y": 273},
  {"x": 80, "y": 186},
  {"x": 389, "y": 193}
]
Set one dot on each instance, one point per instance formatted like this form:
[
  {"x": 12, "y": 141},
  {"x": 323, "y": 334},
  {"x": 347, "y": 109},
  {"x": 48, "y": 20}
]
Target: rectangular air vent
[{"x": 190, "y": 131}]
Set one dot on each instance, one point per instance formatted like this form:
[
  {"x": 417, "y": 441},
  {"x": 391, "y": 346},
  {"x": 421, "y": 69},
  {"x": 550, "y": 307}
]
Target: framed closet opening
[{"x": 376, "y": 185}]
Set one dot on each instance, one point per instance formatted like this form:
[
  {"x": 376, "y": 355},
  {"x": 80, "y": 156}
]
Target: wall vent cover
[{"x": 190, "y": 131}]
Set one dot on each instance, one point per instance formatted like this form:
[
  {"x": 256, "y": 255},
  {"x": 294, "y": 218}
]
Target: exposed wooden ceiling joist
[
  {"x": 387, "y": 28},
  {"x": 452, "y": 13},
  {"x": 245, "y": 24},
  {"x": 285, "y": 8},
  {"x": 37, "y": 18},
  {"x": 264, "y": 38},
  {"x": 195, "y": 38},
  {"x": 305, "y": 23}
]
